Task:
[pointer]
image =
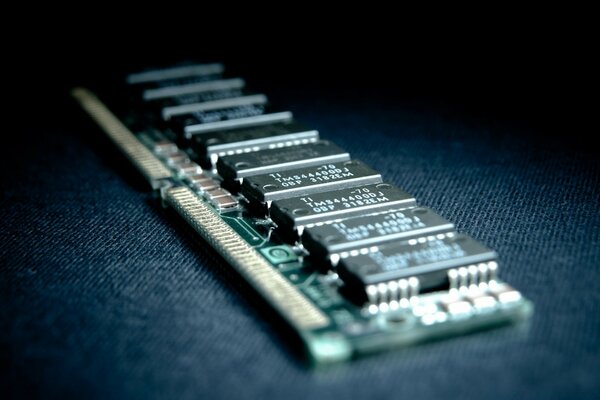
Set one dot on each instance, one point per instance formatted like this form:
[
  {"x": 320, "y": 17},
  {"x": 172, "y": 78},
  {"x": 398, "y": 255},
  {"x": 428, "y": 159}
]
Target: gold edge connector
[
  {"x": 143, "y": 159},
  {"x": 292, "y": 304}
]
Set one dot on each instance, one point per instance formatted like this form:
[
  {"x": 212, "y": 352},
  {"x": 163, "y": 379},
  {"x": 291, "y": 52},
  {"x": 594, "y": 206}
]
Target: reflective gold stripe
[
  {"x": 290, "y": 302},
  {"x": 138, "y": 154}
]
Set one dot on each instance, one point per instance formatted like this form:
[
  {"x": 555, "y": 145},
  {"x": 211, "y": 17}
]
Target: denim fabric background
[{"x": 105, "y": 294}]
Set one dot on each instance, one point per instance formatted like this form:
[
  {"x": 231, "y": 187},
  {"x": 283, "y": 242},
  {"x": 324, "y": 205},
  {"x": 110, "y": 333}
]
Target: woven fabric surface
[{"x": 105, "y": 294}]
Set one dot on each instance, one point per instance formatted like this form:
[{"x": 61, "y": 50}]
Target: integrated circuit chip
[
  {"x": 183, "y": 118},
  {"x": 332, "y": 238},
  {"x": 212, "y": 145},
  {"x": 310, "y": 180},
  {"x": 428, "y": 263},
  {"x": 182, "y": 94},
  {"x": 294, "y": 213},
  {"x": 224, "y": 108},
  {"x": 266, "y": 161},
  {"x": 174, "y": 76},
  {"x": 242, "y": 122}
]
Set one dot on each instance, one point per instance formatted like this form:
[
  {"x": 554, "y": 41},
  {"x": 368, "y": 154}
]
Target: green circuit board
[{"x": 314, "y": 296}]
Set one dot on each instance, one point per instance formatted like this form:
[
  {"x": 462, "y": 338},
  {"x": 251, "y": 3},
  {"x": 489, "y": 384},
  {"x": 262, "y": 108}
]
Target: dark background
[{"x": 105, "y": 294}]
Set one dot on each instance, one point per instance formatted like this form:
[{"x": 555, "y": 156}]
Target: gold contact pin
[
  {"x": 146, "y": 162},
  {"x": 290, "y": 302}
]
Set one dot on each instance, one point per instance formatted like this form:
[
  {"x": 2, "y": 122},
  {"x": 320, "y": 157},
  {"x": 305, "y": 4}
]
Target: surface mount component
[
  {"x": 364, "y": 268},
  {"x": 295, "y": 213},
  {"x": 442, "y": 261},
  {"x": 185, "y": 118},
  {"x": 256, "y": 120},
  {"x": 166, "y": 77},
  {"x": 193, "y": 92},
  {"x": 310, "y": 180},
  {"x": 216, "y": 109},
  {"x": 212, "y": 145},
  {"x": 239, "y": 166},
  {"x": 330, "y": 239}
]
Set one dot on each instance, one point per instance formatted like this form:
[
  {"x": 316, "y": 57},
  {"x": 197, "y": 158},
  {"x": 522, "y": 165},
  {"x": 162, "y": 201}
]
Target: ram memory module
[{"x": 353, "y": 264}]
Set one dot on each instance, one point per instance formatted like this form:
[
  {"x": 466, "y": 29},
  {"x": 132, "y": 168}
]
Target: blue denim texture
[{"x": 104, "y": 294}]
